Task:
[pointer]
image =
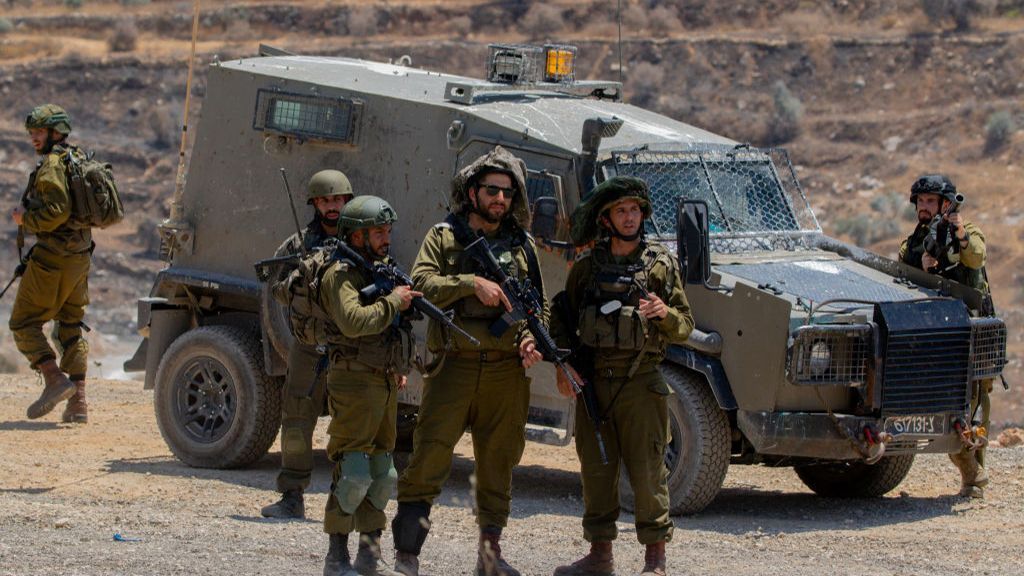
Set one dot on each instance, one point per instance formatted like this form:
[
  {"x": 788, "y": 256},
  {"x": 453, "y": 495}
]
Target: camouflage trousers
[
  {"x": 636, "y": 434},
  {"x": 53, "y": 288},
  {"x": 364, "y": 418},
  {"x": 300, "y": 411},
  {"x": 492, "y": 399},
  {"x": 980, "y": 402}
]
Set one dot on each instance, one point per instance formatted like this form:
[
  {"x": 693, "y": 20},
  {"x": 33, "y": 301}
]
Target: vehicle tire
[
  {"x": 855, "y": 479},
  {"x": 215, "y": 405},
  {"x": 275, "y": 320},
  {"x": 698, "y": 453}
]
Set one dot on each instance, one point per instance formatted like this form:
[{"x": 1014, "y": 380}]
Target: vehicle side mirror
[
  {"x": 544, "y": 224},
  {"x": 692, "y": 241}
]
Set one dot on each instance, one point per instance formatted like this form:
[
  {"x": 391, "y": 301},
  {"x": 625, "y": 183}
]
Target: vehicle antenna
[
  {"x": 175, "y": 222},
  {"x": 618, "y": 16},
  {"x": 295, "y": 215}
]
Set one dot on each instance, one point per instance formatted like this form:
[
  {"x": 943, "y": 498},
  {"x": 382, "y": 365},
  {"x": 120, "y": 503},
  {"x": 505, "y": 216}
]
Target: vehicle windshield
[{"x": 747, "y": 197}]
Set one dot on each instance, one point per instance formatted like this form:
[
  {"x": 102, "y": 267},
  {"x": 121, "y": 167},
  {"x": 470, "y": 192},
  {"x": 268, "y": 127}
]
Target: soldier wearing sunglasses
[{"x": 485, "y": 388}]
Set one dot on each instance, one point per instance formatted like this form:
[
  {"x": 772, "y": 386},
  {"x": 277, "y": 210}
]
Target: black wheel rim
[{"x": 205, "y": 400}]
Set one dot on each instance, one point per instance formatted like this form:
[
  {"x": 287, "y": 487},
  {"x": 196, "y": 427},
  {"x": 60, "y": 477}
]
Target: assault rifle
[
  {"x": 941, "y": 236},
  {"x": 527, "y": 305},
  {"x": 386, "y": 277}
]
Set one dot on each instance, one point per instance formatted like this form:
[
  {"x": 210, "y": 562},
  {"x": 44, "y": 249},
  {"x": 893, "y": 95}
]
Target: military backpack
[
  {"x": 95, "y": 201},
  {"x": 299, "y": 292}
]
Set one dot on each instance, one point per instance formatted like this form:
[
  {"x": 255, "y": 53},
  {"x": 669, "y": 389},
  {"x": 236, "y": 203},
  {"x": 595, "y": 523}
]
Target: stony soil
[{"x": 65, "y": 490}]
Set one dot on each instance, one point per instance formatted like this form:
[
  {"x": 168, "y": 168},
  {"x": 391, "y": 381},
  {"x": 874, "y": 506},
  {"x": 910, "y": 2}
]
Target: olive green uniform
[
  {"x": 631, "y": 392},
  {"x": 482, "y": 388},
  {"x": 55, "y": 284},
  {"x": 302, "y": 400},
  {"x": 362, "y": 398},
  {"x": 967, "y": 269}
]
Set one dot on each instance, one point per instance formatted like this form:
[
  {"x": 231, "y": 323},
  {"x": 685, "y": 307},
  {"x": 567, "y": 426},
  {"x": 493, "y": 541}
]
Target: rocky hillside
[{"x": 866, "y": 94}]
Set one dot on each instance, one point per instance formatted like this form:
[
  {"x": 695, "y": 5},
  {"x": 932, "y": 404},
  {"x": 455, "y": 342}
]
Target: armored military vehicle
[{"x": 810, "y": 353}]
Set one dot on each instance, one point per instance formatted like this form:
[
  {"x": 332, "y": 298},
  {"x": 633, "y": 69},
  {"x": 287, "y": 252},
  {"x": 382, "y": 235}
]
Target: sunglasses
[{"x": 493, "y": 190}]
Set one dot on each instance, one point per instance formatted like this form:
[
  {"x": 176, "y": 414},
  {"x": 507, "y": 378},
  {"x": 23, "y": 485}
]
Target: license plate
[{"x": 930, "y": 425}]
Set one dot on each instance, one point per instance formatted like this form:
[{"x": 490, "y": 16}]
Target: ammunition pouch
[
  {"x": 393, "y": 350},
  {"x": 624, "y": 329}
]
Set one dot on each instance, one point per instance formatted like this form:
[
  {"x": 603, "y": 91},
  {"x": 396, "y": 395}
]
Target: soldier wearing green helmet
[
  {"x": 54, "y": 285},
  {"x": 302, "y": 400},
  {"x": 369, "y": 361},
  {"x": 624, "y": 299}
]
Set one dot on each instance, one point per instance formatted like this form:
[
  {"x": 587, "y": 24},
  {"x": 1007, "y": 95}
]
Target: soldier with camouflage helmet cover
[
  {"x": 626, "y": 300},
  {"x": 327, "y": 192},
  {"x": 957, "y": 253},
  {"x": 56, "y": 270},
  {"x": 370, "y": 357},
  {"x": 484, "y": 389}
]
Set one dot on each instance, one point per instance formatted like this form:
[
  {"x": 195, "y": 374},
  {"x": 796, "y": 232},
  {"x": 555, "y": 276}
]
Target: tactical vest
[
  {"x": 392, "y": 350},
  {"x": 955, "y": 271},
  {"x": 504, "y": 248},
  {"x": 610, "y": 316}
]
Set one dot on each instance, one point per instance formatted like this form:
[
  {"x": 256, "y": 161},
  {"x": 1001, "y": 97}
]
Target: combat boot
[
  {"x": 654, "y": 560},
  {"x": 407, "y": 563},
  {"x": 77, "y": 409},
  {"x": 598, "y": 562},
  {"x": 489, "y": 561},
  {"x": 368, "y": 556},
  {"x": 56, "y": 389},
  {"x": 337, "y": 561},
  {"x": 973, "y": 477},
  {"x": 291, "y": 505}
]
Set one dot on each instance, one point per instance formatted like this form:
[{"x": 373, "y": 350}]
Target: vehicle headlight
[{"x": 821, "y": 358}]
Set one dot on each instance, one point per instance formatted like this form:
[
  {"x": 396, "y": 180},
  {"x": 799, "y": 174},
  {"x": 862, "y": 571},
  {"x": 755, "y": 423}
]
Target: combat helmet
[
  {"x": 365, "y": 212},
  {"x": 497, "y": 160},
  {"x": 586, "y": 219},
  {"x": 933, "y": 184},
  {"x": 49, "y": 116},
  {"x": 328, "y": 183}
]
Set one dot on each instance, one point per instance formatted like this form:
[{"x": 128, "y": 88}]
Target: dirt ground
[{"x": 66, "y": 490}]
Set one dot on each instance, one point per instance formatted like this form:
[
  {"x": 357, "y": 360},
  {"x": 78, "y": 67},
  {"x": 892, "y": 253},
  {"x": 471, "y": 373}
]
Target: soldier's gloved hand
[
  {"x": 564, "y": 387},
  {"x": 528, "y": 352},
  {"x": 653, "y": 307},
  {"x": 956, "y": 222},
  {"x": 928, "y": 262},
  {"x": 490, "y": 293},
  {"x": 406, "y": 293}
]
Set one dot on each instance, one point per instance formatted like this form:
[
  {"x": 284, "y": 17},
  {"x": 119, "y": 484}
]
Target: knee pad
[
  {"x": 410, "y": 526},
  {"x": 354, "y": 480},
  {"x": 385, "y": 478}
]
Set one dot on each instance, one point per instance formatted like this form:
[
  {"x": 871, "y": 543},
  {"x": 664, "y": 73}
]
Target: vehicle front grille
[{"x": 926, "y": 357}]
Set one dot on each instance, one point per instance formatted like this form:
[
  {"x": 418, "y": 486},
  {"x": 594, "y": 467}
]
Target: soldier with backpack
[
  {"x": 67, "y": 195},
  {"x": 302, "y": 398}
]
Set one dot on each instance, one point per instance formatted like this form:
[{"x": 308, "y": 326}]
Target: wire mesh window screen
[
  {"x": 514, "y": 63},
  {"x": 830, "y": 355},
  {"x": 988, "y": 341},
  {"x": 308, "y": 116},
  {"x": 755, "y": 201}
]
